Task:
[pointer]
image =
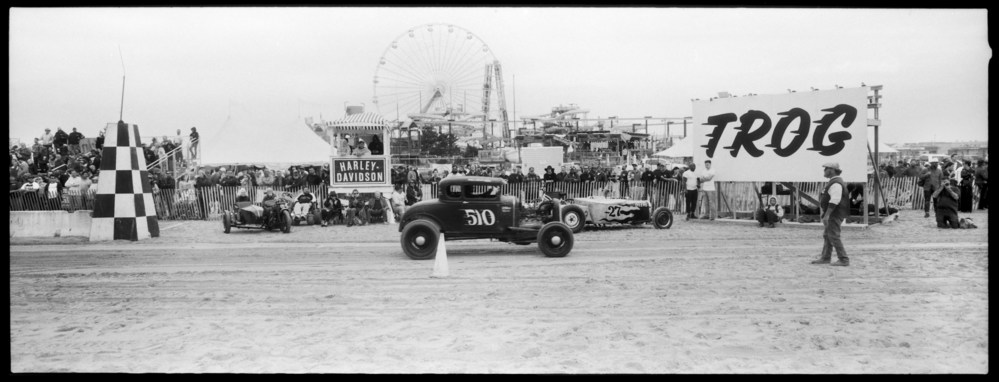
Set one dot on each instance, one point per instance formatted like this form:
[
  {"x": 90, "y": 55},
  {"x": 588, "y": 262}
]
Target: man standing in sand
[
  {"x": 708, "y": 193},
  {"x": 835, "y": 204}
]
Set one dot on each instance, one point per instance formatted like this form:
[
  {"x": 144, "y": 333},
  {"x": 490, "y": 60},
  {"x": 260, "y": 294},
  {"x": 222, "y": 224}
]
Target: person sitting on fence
[
  {"x": 332, "y": 209},
  {"x": 770, "y": 213},
  {"x": 946, "y": 205}
]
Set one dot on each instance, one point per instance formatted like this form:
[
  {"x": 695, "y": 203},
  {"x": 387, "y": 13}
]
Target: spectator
[
  {"x": 532, "y": 176},
  {"x": 982, "y": 181},
  {"x": 560, "y": 176},
  {"x": 267, "y": 180},
  {"x": 646, "y": 179},
  {"x": 313, "y": 179},
  {"x": 360, "y": 149},
  {"x": 74, "y": 142},
  {"x": 161, "y": 155},
  {"x": 47, "y": 138},
  {"x": 586, "y": 175},
  {"x": 398, "y": 200},
  {"x": 195, "y": 142},
  {"x": 332, "y": 209},
  {"x": 691, "y": 184},
  {"x": 710, "y": 195},
  {"x": 549, "y": 179},
  {"x": 661, "y": 176},
  {"x": 413, "y": 194},
  {"x": 99, "y": 142},
  {"x": 377, "y": 208},
  {"x": 966, "y": 184},
  {"x": 357, "y": 211},
  {"x": 86, "y": 182},
  {"x": 60, "y": 139},
  {"x": 930, "y": 180},
  {"x": 303, "y": 204},
  {"x": 770, "y": 213},
  {"x": 572, "y": 177},
  {"x": 624, "y": 180},
  {"x": 72, "y": 190},
  {"x": 517, "y": 176},
  {"x": 53, "y": 192},
  {"x": 946, "y": 205},
  {"x": 375, "y": 147}
]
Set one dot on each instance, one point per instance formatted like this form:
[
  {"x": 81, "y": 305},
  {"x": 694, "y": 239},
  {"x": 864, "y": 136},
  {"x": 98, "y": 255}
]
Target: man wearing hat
[
  {"x": 47, "y": 138},
  {"x": 835, "y": 207}
]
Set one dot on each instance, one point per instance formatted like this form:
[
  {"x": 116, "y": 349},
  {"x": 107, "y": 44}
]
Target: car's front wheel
[
  {"x": 555, "y": 239},
  {"x": 419, "y": 239},
  {"x": 662, "y": 218}
]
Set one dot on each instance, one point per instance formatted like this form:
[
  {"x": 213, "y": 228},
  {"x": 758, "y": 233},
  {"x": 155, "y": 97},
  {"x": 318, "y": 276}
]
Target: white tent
[
  {"x": 682, "y": 148},
  {"x": 251, "y": 141},
  {"x": 885, "y": 149}
]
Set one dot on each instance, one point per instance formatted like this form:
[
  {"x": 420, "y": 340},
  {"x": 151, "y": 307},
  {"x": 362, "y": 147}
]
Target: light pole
[{"x": 647, "y": 123}]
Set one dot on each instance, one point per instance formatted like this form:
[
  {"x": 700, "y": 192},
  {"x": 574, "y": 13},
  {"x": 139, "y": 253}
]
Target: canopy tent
[
  {"x": 250, "y": 141},
  {"x": 682, "y": 148},
  {"x": 360, "y": 121}
]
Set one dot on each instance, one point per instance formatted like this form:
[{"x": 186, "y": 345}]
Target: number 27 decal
[
  {"x": 613, "y": 211},
  {"x": 479, "y": 217}
]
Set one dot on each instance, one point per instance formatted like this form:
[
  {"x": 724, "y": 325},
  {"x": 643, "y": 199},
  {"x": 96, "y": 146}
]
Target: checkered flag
[{"x": 123, "y": 206}]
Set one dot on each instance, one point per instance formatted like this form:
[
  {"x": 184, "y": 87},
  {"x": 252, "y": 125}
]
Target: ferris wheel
[{"x": 438, "y": 71}]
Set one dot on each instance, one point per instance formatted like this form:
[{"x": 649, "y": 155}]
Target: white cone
[{"x": 440, "y": 261}]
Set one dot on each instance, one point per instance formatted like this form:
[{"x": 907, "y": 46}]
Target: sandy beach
[{"x": 701, "y": 297}]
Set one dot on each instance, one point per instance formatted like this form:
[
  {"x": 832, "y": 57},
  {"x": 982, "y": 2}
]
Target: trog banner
[{"x": 785, "y": 137}]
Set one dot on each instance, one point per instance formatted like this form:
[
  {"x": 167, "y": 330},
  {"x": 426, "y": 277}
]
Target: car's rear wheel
[
  {"x": 420, "y": 239},
  {"x": 286, "y": 224},
  {"x": 555, "y": 239},
  {"x": 226, "y": 222},
  {"x": 574, "y": 218},
  {"x": 662, "y": 218}
]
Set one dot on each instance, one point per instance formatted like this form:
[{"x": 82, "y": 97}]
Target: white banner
[{"x": 784, "y": 137}]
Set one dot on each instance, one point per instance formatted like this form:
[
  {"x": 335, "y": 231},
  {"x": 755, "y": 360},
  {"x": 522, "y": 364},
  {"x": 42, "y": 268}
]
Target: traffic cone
[{"x": 440, "y": 261}]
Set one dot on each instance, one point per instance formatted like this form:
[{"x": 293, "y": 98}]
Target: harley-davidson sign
[{"x": 359, "y": 171}]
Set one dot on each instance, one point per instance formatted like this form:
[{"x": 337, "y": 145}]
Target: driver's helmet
[{"x": 241, "y": 192}]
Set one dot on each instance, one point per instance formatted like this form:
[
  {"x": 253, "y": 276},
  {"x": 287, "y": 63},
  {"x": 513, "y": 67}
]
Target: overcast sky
[{"x": 187, "y": 66}]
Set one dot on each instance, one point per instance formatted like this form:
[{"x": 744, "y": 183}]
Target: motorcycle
[{"x": 246, "y": 215}]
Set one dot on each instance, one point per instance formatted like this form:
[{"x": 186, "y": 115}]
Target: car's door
[{"x": 480, "y": 210}]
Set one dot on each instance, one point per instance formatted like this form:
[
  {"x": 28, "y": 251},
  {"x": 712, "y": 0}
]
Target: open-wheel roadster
[{"x": 246, "y": 215}]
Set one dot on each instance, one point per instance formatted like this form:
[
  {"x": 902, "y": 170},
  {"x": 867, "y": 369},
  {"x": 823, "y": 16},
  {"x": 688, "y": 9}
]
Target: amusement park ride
[{"x": 441, "y": 75}]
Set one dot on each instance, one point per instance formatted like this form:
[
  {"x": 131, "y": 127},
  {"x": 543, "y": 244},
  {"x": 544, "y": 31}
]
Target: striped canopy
[{"x": 360, "y": 121}]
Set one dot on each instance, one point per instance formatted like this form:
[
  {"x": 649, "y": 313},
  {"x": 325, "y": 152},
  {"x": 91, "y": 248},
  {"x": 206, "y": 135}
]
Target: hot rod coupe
[{"x": 471, "y": 207}]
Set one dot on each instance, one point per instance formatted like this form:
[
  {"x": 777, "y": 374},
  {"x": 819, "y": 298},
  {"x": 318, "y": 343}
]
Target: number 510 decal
[{"x": 480, "y": 217}]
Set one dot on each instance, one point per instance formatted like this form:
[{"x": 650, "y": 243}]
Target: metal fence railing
[{"x": 207, "y": 203}]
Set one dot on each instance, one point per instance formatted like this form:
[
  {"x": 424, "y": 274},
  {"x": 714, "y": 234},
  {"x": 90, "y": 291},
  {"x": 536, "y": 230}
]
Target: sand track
[{"x": 700, "y": 297}]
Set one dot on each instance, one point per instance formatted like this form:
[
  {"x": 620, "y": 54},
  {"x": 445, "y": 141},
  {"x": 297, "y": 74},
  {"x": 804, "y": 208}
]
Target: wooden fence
[{"x": 188, "y": 203}]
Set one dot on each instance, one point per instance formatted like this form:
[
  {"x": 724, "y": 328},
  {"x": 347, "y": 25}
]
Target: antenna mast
[{"x": 121, "y": 111}]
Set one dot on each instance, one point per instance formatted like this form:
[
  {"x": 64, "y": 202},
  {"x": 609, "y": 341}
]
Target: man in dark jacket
[
  {"x": 60, "y": 138},
  {"x": 313, "y": 179},
  {"x": 835, "y": 204},
  {"x": 947, "y": 198},
  {"x": 74, "y": 142},
  {"x": 982, "y": 181}
]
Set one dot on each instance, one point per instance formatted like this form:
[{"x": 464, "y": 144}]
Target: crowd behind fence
[{"x": 207, "y": 203}]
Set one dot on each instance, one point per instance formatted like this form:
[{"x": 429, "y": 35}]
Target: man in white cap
[
  {"x": 835, "y": 206},
  {"x": 47, "y": 137}
]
